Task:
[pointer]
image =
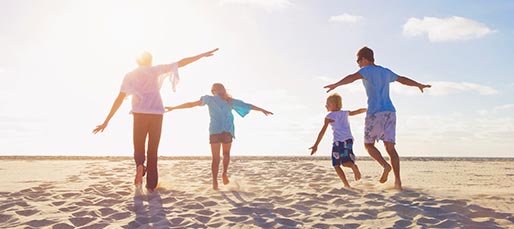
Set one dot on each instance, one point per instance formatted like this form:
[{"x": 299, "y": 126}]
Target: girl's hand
[
  {"x": 168, "y": 109},
  {"x": 265, "y": 112},
  {"x": 313, "y": 149}
]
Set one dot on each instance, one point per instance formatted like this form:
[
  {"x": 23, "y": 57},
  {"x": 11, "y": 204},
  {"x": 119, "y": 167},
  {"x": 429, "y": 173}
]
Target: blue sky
[{"x": 62, "y": 64}]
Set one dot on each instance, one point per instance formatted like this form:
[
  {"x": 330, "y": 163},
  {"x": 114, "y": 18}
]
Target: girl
[{"x": 221, "y": 127}]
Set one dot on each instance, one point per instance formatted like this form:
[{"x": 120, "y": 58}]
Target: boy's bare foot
[
  {"x": 387, "y": 169},
  {"x": 139, "y": 175},
  {"x": 225, "y": 179},
  {"x": 357, "y": 173},
  {"x": 347, "y": 186},
  {"x": 215, "y": 185}
]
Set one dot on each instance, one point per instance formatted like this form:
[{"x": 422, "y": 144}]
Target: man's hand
[
  {"x": 422, "y": 86},
  {"x": 313, "y": 149}
]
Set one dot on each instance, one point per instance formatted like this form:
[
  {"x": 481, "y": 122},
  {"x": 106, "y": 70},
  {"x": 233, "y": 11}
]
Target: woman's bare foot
[
  {"x": 387, "y": 169},
  {"x": 139, "y": 175},
  {"x": 225, "y": 179},
  {"x": 215, "y": 185},
  {"x": 398, "y": 185}
]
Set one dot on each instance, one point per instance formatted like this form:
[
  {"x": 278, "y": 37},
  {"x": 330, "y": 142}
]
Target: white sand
[{"x": 265, "y": 192}]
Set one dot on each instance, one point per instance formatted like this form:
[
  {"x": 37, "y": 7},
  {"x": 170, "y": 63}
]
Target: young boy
[{"x": 342, "y": 153}]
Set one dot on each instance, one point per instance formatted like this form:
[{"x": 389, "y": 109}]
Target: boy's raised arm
[
  {"x": 346, "y": 80},
  {"x": 406, "y": 81},
  {"x": 192, "y": 59},
  {"x": 358, "y": 111},
  {"x": 314, "y": 148}
]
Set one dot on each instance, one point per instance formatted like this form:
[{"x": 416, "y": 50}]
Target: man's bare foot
[
  {"x": 387, "y": 169},
  {"x": 225, "y": 179},
  {"x": 139, "y": 175},
  {"x": 347, "y": 186}
]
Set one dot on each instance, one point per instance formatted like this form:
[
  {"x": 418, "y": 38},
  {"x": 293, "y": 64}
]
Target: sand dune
[{"x": 264, "y": 192}]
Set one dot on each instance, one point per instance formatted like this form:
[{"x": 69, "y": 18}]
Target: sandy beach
[{"x": 265, "y": 192}]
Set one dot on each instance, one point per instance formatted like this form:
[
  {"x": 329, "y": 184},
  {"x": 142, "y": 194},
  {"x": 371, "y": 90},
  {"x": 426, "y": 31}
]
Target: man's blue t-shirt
[
  {"x": 376, "y": 80},
  {"x": 220, "y": 112}
]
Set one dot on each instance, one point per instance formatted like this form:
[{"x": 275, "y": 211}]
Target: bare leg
[
  {"x": 395, "y": 162},
  {"x": 139, "y": 175},
  {"x": 355, "y": 169},
  {"x": 341, "y": 175},
  {"x": 226, "y": 161},
  {"x": 375, "y": 154},
  {"x": 215, "y": 150}
]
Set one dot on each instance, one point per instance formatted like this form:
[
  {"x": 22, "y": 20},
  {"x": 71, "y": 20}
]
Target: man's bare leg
[
  {"x": 138, "y": 180},
  {"x": 395, "y": 162},
  {"x": 375, "y": 154}
]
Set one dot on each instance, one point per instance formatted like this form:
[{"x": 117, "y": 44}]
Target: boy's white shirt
[{"x": 340, "y": 125}]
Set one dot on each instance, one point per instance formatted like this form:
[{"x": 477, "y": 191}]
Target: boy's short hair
[
  {"x": 367, "y": 53},
  {"x": 336, "y": 99}
]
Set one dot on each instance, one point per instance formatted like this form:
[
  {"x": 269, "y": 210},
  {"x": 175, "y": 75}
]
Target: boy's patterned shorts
[{"x": 342, "y": 152}]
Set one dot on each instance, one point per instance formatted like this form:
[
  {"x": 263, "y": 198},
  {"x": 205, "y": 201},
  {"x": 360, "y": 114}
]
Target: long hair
[{"x": 222, "y": 92}]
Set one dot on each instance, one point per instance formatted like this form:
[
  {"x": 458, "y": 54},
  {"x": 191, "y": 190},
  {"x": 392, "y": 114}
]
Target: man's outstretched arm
[
  {"x": 346, "y": 80},
  {"x": 406, "y": 81}
]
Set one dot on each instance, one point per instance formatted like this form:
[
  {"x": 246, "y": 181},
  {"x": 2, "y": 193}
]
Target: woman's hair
[
  {"x": 336, "y": 100},
  {"x": 144, "y": 59},
  {"x": 222, "y": 92}
]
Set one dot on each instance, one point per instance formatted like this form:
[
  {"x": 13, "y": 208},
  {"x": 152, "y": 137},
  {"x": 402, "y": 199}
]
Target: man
[
  {"x": 380, "y": 123},
  {"x": 144, "y": 84}
]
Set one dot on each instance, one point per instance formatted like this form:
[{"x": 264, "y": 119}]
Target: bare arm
[
  {"x": 358, "y": 111},
  {"x": 265, "y": 112},
  {"x": 192, "y": 59},
  {"x": 184, "y": 105},
  {"x": 346, "y": 80},
  {"x": 115, "y": 106},
  {"x": 406, "y": 81},
  {"x": 314, "y": 148}
]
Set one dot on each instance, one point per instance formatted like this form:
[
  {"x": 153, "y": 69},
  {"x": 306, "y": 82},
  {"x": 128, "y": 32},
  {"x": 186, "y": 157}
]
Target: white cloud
[
  {"x": 446, "y": 29},
  {"x": 504, "y": 107},
  {"x": 346, "y": 18},
  {"x": 267, "y": 4},
  {"x": 447, "y": 88}
]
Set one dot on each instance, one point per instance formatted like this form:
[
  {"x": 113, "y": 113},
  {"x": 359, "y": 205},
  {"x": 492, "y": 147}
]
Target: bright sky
[{"x": 63, "y": 62}]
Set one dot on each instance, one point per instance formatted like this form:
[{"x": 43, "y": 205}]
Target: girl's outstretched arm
[
  {"x": 256, "y": 108},
  {"x": 184, "y": 106},
  {"x": 358, "y": 111},
  {"x": 192, "y": 59}
]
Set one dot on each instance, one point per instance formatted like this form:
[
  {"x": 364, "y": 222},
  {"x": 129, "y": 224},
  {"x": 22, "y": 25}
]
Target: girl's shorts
[
  {"x": 223, "y": 137},
  {"x": 342, "y": 152}
]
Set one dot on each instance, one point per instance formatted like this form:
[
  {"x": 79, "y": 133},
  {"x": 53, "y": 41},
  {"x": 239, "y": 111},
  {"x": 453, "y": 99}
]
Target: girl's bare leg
[
  {"x": 215, "y": 150},
  {"x": 226, "y": 162}
]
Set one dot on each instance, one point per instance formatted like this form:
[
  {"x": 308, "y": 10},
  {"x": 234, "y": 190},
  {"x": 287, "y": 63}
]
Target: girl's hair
[
  {"x": 222, "y": 92},
  {"x": 336, "y": 100}
]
